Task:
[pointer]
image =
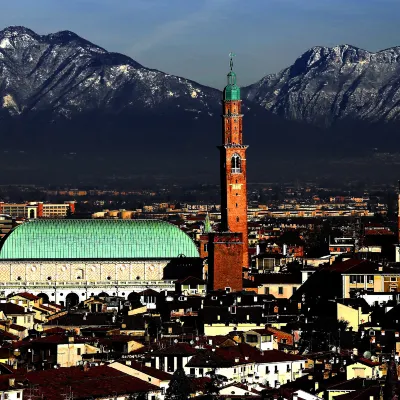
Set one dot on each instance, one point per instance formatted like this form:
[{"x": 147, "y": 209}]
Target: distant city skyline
[{"x": 193, "y": 39}]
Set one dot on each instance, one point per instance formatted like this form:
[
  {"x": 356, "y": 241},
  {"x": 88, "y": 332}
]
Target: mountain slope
[
  {"x": 66, "y": 74},
  {"x": 327, "y": 85},
  {"x": 68, "y": 106}
]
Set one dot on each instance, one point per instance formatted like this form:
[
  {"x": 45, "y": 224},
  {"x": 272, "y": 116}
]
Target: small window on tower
[
  {"x": 236, "y": 164},
  {"x": 236, "y": 205},
  {"x": 237, "y": 219}
]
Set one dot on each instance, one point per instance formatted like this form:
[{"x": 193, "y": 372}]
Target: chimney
[
  {"x": 11, "y": 382},
  {"x": 128, "y": 362},
  {"x": 70, "y": 339}
]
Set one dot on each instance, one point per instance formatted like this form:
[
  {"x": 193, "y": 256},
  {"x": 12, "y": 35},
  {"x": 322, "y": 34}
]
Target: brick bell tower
[
  {"x": 228, "y": 249},
  {"x": 233, "y": 164}
]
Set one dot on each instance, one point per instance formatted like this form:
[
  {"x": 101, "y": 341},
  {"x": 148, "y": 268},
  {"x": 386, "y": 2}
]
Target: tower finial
[{"x": 231, "y": 55}]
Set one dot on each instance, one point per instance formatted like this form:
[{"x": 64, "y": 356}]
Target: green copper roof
[
  {"x": 96, "y": 239},
  {"x": 232, "y": 90}
]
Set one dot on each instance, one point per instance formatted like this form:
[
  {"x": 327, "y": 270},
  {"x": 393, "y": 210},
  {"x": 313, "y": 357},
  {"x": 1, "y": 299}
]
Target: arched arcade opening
[
  {"x": 71, "y": 300},
  {"x": 44, "y": 297}
]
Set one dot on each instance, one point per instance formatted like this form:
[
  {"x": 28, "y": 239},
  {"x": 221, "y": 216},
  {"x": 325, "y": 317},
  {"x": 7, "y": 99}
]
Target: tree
[
  {"x": 212, "y": 387},
  {"x": 180, "y": 386}
]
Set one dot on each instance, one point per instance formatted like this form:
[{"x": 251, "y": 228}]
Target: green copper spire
[
  {"x": 207, "y": 225},
  {"x": 232, "y": 90}
]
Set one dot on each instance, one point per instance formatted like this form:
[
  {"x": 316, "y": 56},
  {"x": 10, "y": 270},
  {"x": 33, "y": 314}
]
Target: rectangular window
[
  {"x": 370, "y": 278},
  {"x": 205, "y": 247},
  {"x": 78, "y": 351},
  {"x": 251, "y": 338},
  {"x": 276, "y": 369},
  {"x": 294, "y": 290},
  {"x": 201, "y": 371},
  {"x": 267, "y": 370},
  {"x": 280, "y": 290},
  {"x": 393, "y": 279},
  {"x": 192, "y": 371}
]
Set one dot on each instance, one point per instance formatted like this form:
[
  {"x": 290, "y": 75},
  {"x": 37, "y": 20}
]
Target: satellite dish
[
  {"x": 367, "y": 354},
  {"x": 197, "y": 338},
  {"x": 176, "y": 341},
  {"x": 192, "y": 342},
  {"x": 333, "y": 348}
]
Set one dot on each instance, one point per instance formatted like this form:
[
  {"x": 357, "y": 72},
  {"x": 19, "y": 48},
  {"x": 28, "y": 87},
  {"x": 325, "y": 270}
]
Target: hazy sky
[{"x": 192, "y": 38}]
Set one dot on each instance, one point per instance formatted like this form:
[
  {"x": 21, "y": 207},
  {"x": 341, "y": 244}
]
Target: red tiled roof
[
  {"x": 354, "y": 266},
  {"x": 15, "y": 327},
  {"x": 55, "y": 331},
  {"x": 278, "y": 333},
  {"x": 366, "y": 361},
  {"x": 154, "y": 372},
  {"x": 7, "y": 335},
  {"x": 117, "y": 339},
  {"x": 42, "y": 307},
  {"x": 13, "y": 309},
  {"x": 101, "y": 381},
  {"x": 26, "y": 295}
]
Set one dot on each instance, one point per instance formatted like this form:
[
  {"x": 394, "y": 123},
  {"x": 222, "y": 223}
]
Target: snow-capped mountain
[
  {"x": 68, "y": 75},
  {"x": 69, "y": 105},
  {"x": 326, "y": 85}
]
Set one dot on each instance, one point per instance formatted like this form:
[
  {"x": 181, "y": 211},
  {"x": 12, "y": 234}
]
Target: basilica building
[{"x": 69, "y": 260}]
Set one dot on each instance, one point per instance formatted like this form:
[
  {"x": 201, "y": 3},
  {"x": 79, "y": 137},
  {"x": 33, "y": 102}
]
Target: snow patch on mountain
[
  {"x": 325, "y": 85},
  {"x": 5, "y": 43}
]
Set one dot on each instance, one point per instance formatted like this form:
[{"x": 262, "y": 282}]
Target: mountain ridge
[
  {"x": 328, "y": 84},
  {"x": 71, "y": 108}
]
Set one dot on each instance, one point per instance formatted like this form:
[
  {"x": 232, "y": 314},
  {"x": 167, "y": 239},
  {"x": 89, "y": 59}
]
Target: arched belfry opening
[{"x": 236, "y": 164}]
